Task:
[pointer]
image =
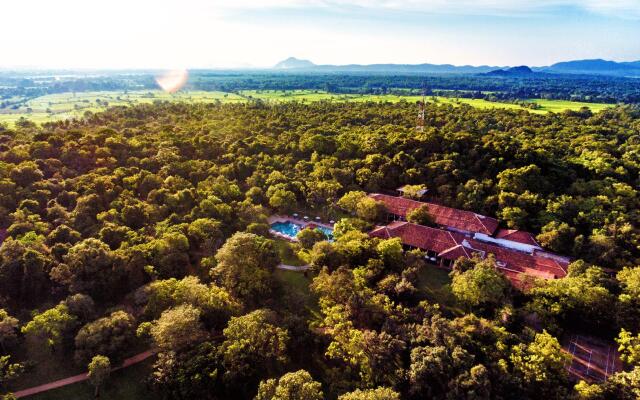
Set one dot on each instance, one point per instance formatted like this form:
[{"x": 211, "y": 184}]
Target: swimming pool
[
  {"x": 287, "y": 228},
  {"x": 291, "y": 229}
]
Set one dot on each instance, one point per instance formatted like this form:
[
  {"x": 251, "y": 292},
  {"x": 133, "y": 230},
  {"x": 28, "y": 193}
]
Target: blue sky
[{"x": 216, "y": 33}]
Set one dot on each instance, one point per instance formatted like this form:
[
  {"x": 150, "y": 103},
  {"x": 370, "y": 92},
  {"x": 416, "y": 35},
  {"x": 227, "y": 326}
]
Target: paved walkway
[
  {"x": 81, "y": 377},
  {"x": 293, "y": 267}
]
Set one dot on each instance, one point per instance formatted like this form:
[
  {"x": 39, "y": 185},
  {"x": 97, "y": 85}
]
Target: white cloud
[{"x": 618, "y": 8}]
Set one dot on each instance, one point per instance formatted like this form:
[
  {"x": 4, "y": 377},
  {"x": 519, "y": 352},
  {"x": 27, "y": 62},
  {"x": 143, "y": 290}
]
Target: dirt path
[
  {"x": 293, "y": 267},
  {"x": 81, "y": 377}
]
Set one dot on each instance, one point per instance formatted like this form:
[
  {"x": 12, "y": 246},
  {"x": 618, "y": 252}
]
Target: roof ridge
[{"x": 482, "y": 223}]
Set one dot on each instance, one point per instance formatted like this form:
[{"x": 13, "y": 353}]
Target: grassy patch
[
  {"x": 557, "y": 106},
  {"x": 45, "y": 368},
  {"x": 298, "y": 284},
  {"x": 294, "y": 280},
  {"x": 436, "y": 284},
  {"x": 288, "y": 253},
  {"x": 124, "y": 384}
]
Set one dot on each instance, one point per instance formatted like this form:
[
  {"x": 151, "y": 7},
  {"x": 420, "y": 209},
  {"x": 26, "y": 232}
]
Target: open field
[
  {"x": 73, "y": 105},
  {"x": 561, "y": 105},
  {"x": 61, "y": 106}
]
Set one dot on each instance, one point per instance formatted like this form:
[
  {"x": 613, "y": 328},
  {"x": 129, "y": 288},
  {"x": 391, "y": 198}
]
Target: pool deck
[{"x": 299, "y": 221}]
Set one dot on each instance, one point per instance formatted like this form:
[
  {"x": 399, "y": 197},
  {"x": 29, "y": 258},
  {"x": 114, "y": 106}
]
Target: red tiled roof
[
  {"x": 419, "y": 236},
  {"x": 443, "y": 216},
  {"x": 516, "y": 236},
  {"x": 456, "y": 252},
  {"x": 451, "y": 245},
  {"x": 530, "y": 264}
]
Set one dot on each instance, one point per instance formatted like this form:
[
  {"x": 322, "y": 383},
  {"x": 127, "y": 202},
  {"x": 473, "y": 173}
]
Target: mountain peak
[
  {"x": 521, "y": 70},
  {"x": 293, "y": 62}
]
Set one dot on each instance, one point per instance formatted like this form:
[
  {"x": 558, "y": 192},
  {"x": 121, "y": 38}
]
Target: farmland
[{"x": 73, "y": 105}]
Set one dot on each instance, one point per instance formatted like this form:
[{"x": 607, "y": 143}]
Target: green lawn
[
  {"x": 295, "y": 280},
  {"x": 298, "y": 284},
  {"x": 124, "y": 384},
  {"x": 435, "y": 282},
  {"x": 287, "y": 252},
  {"x": 73, "y": 105},
  {"x": 562, "y": 105}
]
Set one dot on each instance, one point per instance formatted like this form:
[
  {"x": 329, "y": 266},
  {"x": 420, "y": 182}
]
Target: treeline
[
  {"x": 149, "y": 225},
  {"x": 546, "y": 86},
  {"x": 600, "y": 89}
]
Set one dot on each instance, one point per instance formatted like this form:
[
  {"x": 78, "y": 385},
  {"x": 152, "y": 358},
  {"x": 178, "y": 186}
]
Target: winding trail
[
  {"x": 293, "y": 267},
  {"x": 81, "y": 377}
]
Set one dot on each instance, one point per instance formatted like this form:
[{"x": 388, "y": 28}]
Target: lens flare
[{"x": 172, "y": 81}]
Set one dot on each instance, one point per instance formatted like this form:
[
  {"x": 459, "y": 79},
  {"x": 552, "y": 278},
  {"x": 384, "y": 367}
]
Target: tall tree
[{"x": 99, "y": 371}]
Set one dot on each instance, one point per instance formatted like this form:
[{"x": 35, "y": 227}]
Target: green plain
[{"x": 62, "y": 106}]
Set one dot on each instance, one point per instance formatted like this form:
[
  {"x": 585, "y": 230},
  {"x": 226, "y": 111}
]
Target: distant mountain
[
  {"x": 582, "y": 67},
  {"x": 293, "y": 63},
  {"x": 595, "y": 67},
  {"x": 513, "y": 71}
]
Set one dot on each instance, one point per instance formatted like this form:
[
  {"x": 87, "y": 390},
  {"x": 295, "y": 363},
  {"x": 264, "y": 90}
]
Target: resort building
[
  {"x": 462, "y": 233},
  {"x": 446, "y": 217}
]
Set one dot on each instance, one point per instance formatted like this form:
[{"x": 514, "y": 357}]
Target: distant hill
[
  {"x": 583, "y": 67},
  {"x": 295, "y": 63},
  {"x": 514, "y": 71},
  {"x": 292, "y": 63},
  {"x": 595, "y": 67}
]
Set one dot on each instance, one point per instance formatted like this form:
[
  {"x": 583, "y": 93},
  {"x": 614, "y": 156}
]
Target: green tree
[
  {"x": 51, "y": 327},
  {"x": 178, "y": 328},
  {"x": 381, "y": 393},
  {"x": 283, "y": 200},
  {"x": 216, "y": 304},
  {"x": 369, "y": 209},
  {"x": 629, "y": 347},
  {"x": 297, "y": 385},
  {"x": 245, "y": 265},
  {"x": 254, "y": 346},
  {"x": 309, "y": 237},
  {"x": 391, "y": 252},
  {"x": 412, "y": 191},
  {"x": 350, "y": 200},
  {"x": 540, "y": 364},
  {"x": 109, "y": 336},
  {"x": 89, "y": 268},
  {"x": 8, "y": 328},
  {"x": 9, "y": 370},
  {"x": 99, "y": 371},
  {"x": 557, "y": 236},
  {"x": 188, "y": 374},
  {"x": 482, "y": 285},
  {"x": 420, "y": 216}
]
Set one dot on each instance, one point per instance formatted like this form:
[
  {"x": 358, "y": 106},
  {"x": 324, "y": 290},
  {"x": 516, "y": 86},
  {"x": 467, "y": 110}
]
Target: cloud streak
[{"x": 613, "y": 8}]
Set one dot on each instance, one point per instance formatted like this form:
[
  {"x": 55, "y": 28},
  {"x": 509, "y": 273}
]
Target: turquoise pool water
[
  {"x": 286, "y": 228},
  {"x": 291, "y": 229}
]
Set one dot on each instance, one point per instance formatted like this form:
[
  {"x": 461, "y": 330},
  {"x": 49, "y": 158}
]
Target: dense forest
[{"x": 147, "y": 226}]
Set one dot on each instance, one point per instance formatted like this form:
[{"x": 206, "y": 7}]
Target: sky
[{"x": 259, "y": 33}]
